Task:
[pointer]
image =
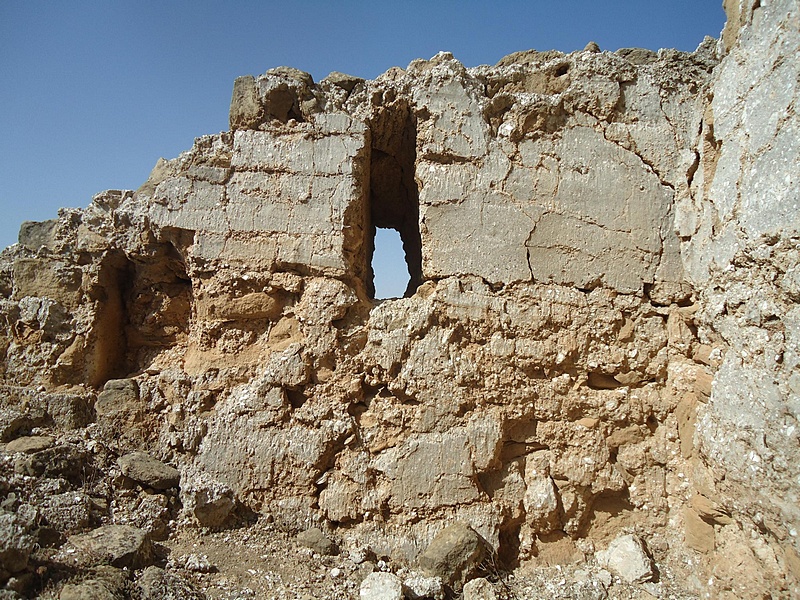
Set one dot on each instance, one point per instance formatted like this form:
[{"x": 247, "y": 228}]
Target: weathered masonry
[{"x": 600, "y": 334}]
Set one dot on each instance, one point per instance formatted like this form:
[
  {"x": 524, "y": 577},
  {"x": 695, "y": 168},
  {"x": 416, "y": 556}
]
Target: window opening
[
  {"x": 391, "y": 276},
  {"x": 394, "y": 198}
]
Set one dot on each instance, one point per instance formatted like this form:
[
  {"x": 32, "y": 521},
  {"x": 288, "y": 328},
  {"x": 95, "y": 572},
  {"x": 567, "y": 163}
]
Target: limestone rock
[
  {"x": 209, "y": 502},
  {"x": 627, "y": 558},
  {"x": 68, "y": 511},
  {"x": 479, "y": 589},
  {"x": 344, "y": 81},
  {"x": 381, "y": 586},
  {"x": 144, "y": 469},
  {"x": 158, "y": 584},
  {"x": 315, "y": 539},
  {"x": 105, "y": 583},
  {"x": 91, "y": 589},
  {"x": 541, "y": 504},
  {"x": 16, "y": 541},
  {"x": 245, "y": 110},
  {"x": 35, "y": 234},
  {"x": 453, "y": 554},
  {"x": 69, "y": 461},
  {"x": 698, "y": 534},
  {"x": 14, "y": 422},
  {"x": 30, "y": 444},
  {"x": 118, "y": 545},
  {"x": 417, "y": 587}
]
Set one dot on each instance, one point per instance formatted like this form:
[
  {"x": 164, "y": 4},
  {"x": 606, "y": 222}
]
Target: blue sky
[{"x": 92, "y": 93}]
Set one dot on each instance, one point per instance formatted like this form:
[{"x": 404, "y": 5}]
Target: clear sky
[{"x": 92, "y": 93}]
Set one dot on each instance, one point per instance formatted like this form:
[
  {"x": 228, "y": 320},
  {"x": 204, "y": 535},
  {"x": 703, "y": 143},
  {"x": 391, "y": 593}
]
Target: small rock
[
  {"x": 381, "y": 586},
  {"x": 344, "y": 81},
  {"x": 67, "y": 512},
  {"x": 22, "y": 584},
  {"x": 359, "y": 555},
  {"x": 118, "y": 545},
  {"x": 417, "y": 587},
  {"x": 69, "y": 410},
  {"x": 144, "y": 469},
  {"x": 363, "y": 571},
  {"x": 120, "y": 411},
  {"x": 336, "y": 572},
  {"x": 245, "y": 110},
  {"x": 698, "y": 534},
  {"x": 65, "y": 460},
  {"x": 592, "y": 47},
  {"x": 316, "y": 540},
  {"x": 49, "y": 537},
  {"x": 91, "y": 589},
  {"x": 605, "y": 578},
  {"x": 627, "y": 558},
  {"x": 16, "y": 543},
  {"x": 13, "y": 422},
  {"x": 210, "y": 502},
  {"x": 638, "y": 56},
  {"x": 158, "y": 584},
  {"x": 453, "y": 554},
  {"x": 152, "y": 515},
  {"x": 35, "y": 234},
  {"x": 479, "y": 589},
  {"x": 541, "y": 504},
  {"x": 30, "y": 444},
  {"x": 198, "y": 563},
  {"x": 106, "y": 583}
]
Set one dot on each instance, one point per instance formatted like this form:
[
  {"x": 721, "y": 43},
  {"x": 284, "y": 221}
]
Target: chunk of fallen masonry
[
  {"x": 117, "y": 545},
  {"x": 149, "y": 471},
  {"x": 627, "y": 558},
  {"x": 381, "y": 586},
  {"x": 30, "y": 444},
  {"x": 479, "y": 589},
  {"x": 453, "y": 554},
  {"x": 316, "y": 540}
]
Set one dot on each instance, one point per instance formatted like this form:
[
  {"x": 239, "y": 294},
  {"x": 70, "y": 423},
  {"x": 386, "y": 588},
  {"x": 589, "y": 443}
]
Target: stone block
[{"x": 453, "y": 554}]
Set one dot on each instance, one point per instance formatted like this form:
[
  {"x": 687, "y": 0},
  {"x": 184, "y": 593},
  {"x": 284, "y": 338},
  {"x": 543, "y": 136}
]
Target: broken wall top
[{"x": 548, "y": 168}]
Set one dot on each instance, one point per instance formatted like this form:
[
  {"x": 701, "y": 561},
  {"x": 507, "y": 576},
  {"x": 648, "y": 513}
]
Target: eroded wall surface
[
  {"x": 592, "y": 239},
  {"x": 740, "y": 233}
]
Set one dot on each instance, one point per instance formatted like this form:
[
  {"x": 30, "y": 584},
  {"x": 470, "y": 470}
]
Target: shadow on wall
[{"x": 142, "y": 307}]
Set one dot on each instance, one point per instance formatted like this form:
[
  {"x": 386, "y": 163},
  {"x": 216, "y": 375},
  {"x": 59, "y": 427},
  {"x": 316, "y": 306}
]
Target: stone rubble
[
  {"x": 479, "y": 589},
  {"x": 627, "y": 558},
  {"x": 148, "y": 471},
  {"x": 453, "y": 554},
  {"x": 381, "y": 586},
  {"x": 589, "y": 389}
]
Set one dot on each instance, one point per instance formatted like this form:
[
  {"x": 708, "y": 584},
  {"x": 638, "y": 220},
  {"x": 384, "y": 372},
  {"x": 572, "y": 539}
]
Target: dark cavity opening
[
  {"x": 144, "y": 304},
  {"x": 394, "y": 196}
]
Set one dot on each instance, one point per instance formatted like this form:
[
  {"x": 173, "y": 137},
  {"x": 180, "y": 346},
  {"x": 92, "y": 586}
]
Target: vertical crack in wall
[{"x": 394, "y": 196}]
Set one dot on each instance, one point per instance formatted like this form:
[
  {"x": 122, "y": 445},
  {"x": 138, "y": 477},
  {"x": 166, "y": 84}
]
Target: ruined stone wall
[
  {"x": 591, "y": 239},
  {"x": 740, "y": 247}
]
